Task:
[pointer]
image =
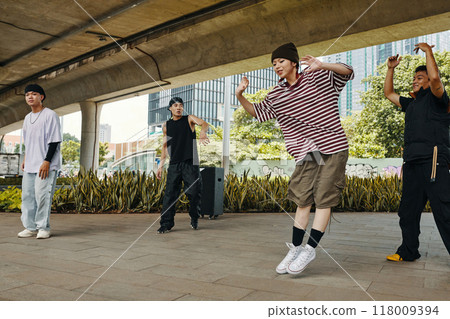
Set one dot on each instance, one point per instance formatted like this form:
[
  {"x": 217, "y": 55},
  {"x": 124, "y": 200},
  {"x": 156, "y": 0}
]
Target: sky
[{"x": 126, "y": 117}]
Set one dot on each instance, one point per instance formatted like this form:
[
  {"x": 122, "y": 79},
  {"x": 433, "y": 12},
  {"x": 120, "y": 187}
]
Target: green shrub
[
  {"x": 11, "y": 181},
  {"x": 18, "y": 181},
  {"x": 10, "y": 199},
  {"x": 126, "y": 191},
  {"x": 63, "y": 180},
  {"x": 268, "y": 194},
  {"x": 256, "y": 194}
]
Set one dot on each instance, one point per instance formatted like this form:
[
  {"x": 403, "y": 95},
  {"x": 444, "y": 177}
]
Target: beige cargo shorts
[{"x": 319, "y": 179}]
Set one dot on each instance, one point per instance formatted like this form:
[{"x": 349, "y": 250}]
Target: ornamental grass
[{"x": 131, "y": 192}]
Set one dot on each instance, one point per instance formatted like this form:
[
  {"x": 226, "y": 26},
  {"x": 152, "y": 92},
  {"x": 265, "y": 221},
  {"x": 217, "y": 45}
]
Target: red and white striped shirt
[{"x": 308, "y": 112}]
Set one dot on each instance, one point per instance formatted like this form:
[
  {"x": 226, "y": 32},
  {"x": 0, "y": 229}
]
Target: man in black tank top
[{"x": 179, "y": 141}]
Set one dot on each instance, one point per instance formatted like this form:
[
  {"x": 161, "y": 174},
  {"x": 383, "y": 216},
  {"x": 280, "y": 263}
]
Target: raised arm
[
  {"x": 194, "y": 120},
  {"x": 244, "y": 102},
  {"x": 315, "y": 64},
  {"x": 389, "y": 92},
  {"x": 433, "y": 72},
  {"x": 163, "y": 153}
]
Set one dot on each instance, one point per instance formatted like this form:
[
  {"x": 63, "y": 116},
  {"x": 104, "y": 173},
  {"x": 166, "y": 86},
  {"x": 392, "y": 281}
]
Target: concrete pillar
[{"x": 90, "y": 125}]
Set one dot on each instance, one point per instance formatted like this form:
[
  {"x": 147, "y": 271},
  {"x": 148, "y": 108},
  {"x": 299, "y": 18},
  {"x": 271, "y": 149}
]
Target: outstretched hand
[
  {"x": 242, "y": 86},
  {"x": 422, "y": 46},
  {"x": 393, "y": 61},
  {"x": 313, "y": 63},
  {"x": 204, "y": 140}
]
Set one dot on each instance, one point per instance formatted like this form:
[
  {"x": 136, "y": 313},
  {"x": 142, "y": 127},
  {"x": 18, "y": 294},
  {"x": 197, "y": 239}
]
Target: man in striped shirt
[{"x": 305, "y": 105}]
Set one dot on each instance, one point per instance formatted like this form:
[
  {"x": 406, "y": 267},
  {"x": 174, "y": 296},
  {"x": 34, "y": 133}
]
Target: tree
[
  {"x": 246, "y": 127},
  {"x": 377, "y": 131},
  {"x": 249, "y": 138},
  {"x": 70, "y": 137},
  {"x": 102, "y": 152},
  {"x": 70, "y": 151},
  {"x": 361, "y": 145},
  {"x": 255, "y": 140},
  {"x": 17, "y": 149}
]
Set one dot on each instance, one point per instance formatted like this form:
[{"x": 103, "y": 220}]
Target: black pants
[
  {"x": 190, "y": 175},
  {"x": 417, "y": 189}
]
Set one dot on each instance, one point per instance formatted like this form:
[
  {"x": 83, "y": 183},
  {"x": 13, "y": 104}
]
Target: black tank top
[{"x": 181, "y": 141}]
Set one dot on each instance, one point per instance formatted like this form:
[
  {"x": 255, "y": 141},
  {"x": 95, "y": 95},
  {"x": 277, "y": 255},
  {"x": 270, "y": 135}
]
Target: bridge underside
[{"x": 169, "y": 43}]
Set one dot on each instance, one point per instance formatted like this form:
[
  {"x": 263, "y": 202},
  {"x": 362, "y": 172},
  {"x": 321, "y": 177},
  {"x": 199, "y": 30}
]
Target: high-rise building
[
  {"x": 205, "y": 99},
  {"x": 105, "y": 133},
  {"x": 366, "y": 60}
]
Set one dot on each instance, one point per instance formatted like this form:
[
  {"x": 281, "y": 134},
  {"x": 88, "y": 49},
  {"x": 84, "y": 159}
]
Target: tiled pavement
[{"x": 230, "y": 258}]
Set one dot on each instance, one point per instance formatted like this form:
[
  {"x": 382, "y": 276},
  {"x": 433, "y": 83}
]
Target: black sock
[
  {"x": 297, "y": 236},
  {"x": 314, "y": 237}
]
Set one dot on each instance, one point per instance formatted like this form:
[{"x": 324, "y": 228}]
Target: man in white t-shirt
[{"x": 42, "y": 161}]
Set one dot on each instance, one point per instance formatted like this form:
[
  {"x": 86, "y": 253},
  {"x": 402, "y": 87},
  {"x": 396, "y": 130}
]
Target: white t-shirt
[{"x": 40, "y": 129}]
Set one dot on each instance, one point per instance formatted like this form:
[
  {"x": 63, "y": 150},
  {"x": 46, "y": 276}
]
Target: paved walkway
[{"x": 230, "y": 258}]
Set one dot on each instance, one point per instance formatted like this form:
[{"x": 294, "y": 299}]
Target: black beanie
[
  {"x": 175, "y": 100},
  {"x": 286, "y": 51},
  {"x": 35, "y": 88}
]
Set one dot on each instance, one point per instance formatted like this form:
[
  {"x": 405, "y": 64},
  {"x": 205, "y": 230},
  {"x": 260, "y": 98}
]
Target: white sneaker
[
  {"x": 293, "y": 252},
  {"x": 43, "y": 234},
  {"x": 27, "y": 233},
  {"x": 304, "y": 258}
]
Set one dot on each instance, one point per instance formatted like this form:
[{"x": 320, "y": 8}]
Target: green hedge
[
  {"x": 10, "y": 199},
  {"x": 14, "y": 181},
  {"x": 130, "y": 192},
  {"x": 11, "y": 181}
]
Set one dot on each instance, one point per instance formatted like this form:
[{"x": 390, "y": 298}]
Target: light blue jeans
[{"x": 37, "y": 196}]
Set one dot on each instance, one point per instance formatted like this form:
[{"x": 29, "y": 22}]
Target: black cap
[
  {"x": 286, "y": 51},
  {"x": 35, "y": 88},
  {"x": 175, "y": 100}
]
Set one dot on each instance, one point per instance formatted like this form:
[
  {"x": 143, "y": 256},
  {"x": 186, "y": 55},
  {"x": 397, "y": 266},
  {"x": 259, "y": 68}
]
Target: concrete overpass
[{"x": 163, "y": 44}]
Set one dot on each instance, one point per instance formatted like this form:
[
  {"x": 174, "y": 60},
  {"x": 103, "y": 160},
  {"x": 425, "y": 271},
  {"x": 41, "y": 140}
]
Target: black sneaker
[
  {"x": 194, "y": 224},
  {"x": 163, "y": 229}
]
